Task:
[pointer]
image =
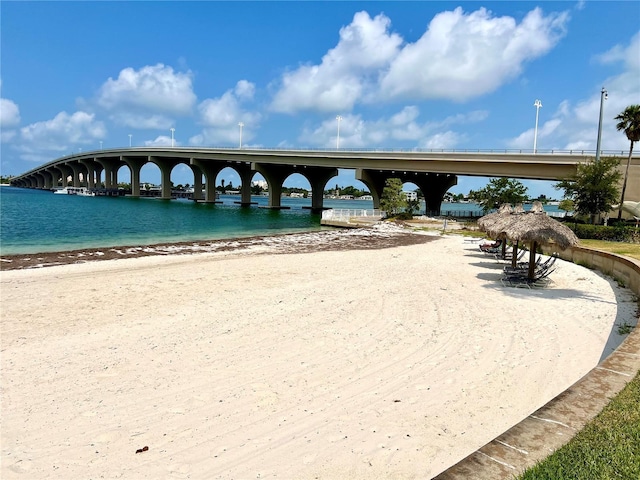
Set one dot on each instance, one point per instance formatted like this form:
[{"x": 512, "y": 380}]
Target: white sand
[{"x": 392, "y": 363}]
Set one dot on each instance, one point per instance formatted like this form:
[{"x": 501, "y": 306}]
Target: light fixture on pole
[
  {"x": 603, "y": 96},
  {"x": 172, "y": 130},
  {"x": 339, "y": 118},
  {"x": 536, "y": 104},
  {"x": 130, "y": 140},
  {"x": 241, "y": 125}
]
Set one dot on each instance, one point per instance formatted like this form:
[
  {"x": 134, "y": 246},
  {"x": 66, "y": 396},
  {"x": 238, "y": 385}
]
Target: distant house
[{"x": 411, "y": 196}]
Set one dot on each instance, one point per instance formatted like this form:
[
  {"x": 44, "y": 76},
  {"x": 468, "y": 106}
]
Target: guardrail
[{"x": 344, "y": 215}]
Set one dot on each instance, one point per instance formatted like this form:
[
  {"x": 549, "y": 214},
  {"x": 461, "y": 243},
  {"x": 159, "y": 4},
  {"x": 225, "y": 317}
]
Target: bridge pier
[
  {"x": 246, "y": 175},
  {"x": 166, "y": 165},
  {"x": 135, "y": 164},
  {"x": 275, "y": 175},
  {"x": 77, "y": 169},
  {"x": 432, "y": 185},
  {"x": 318, "y": 178},
  {"x": 210, "y": 171},
  {"x": 110, "y": 167}
]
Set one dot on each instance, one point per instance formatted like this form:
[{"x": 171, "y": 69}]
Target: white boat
[{"x": 81, "y": 191}]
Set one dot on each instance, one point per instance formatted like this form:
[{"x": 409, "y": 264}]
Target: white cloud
[
  {"x": 39, "y": 141},
  {"x": 160, "y": 141},
  {"x": 628, "y": 55},
  {"x": 9, "y": 114},
  {"x": 462, "y": 56},
  {"x": 365, "y": 47},
  {"x": 443, "y": 140},
  {"x": 144, "y": 98},
  {"x": 399, "y": 127},
  {"x": 575, "y": 126},
  {"x": 221, "y": 116}
]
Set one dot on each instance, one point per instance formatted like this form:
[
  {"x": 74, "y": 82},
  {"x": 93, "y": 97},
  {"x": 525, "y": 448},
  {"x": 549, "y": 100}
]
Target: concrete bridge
[{"x": 434, "y": 172}]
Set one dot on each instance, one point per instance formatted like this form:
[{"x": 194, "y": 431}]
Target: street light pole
[
  {"x": 603, "y": 96},
  {"x": 100, "y": 144},
  {"x": 241, "y": 125},
  {"x": 172, "y": 130},
  {"x": 130, "y": 140},
  {"x": 536, "y": 104},
  {"x": 339, "y": 118}
]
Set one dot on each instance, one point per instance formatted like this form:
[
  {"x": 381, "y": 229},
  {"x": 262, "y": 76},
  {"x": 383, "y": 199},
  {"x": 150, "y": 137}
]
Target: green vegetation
[
  {"x": 619, "y": 248},
  {"x": 6, "y": 179},
  {"x": 629, "y": 122},
  {"x": 498, "y": 192},
  {"x": 616, "y": 233},
  {"x": 393, "y": 201},
  {"x": 594, "y": 187},
  {"x": 607, "y": 448}
]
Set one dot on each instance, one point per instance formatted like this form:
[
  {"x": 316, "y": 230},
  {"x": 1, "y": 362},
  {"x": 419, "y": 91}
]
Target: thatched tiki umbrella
[
  {"x": 536, "y": 227},
  {"x": 498, "y": 224},
  {"x": 489, "y": 224}
]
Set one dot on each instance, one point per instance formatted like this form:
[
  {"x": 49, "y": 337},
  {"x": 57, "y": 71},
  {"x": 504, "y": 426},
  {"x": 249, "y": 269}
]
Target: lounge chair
[{"x": 521, "y": 279}]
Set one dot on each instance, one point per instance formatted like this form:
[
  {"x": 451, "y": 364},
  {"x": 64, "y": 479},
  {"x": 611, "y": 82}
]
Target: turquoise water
[{"x": 33, "y": 221}]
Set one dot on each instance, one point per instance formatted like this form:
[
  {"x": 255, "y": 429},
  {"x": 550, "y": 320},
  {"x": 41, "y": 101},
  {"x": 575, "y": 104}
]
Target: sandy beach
[{"x": 332, "y": 355}]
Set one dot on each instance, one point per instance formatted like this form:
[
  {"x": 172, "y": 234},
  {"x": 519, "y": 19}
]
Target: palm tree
[{"x": 629, "y": 121}]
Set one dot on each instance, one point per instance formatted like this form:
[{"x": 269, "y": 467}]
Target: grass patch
[
  {"x": 607, "y": 448},
  {"x": 620, "y": 248}
]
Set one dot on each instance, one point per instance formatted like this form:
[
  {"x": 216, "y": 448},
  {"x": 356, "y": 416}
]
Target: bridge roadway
[{"x": 432, "y": 171}]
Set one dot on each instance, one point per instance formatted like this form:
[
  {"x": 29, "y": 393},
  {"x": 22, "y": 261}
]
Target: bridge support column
[
  {"x": 433, "y": 187},
  {"x": 197, "y": 182},
  {"x": 246, "y": 175},
  {"x": 39, "y": 180},
  {"x": 66, "y": 172},
  {"x": 318, "y": 178},
  {"x": 54, "y": 176},
  {"x": 47, "y": 177},
  {"x": 275, "y": 176},
  {"x": 166, "y": 165},
  {"x": 90, "y": 167},
  {"x": 77, "y": 169},
  {"x": 135, "y": 164},
  {"x": 375, "y": 180},
  {"x": 210, "y": 171},
  {"x": 110, "y": 166}
]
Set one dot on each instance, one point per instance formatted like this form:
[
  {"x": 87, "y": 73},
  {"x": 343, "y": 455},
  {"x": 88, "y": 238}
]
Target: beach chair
[{"x": 521, "y": 279}]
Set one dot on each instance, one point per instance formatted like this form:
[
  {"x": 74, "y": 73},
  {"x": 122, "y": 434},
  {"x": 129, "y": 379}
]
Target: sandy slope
[{"x": 392, "y": 363}]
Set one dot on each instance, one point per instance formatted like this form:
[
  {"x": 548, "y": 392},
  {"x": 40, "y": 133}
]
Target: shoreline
[{"x": 386, "y": 235}]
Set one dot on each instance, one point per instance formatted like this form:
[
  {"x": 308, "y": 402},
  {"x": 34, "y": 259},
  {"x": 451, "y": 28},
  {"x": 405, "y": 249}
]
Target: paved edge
[{"x": 553, "y": 425}]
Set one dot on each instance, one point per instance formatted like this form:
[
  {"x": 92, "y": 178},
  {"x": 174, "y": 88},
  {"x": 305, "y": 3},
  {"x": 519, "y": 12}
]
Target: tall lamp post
[
  {"x": 536, "y": 104},
  {"x": 172, "y": 131},
  {"x": 603, "y": 96},
  {"x": 339, "y": 118},
  {"x": 100, "y": 144},
  {"x": 241, "y": 125},
  {"x": 130, "y": 140}
]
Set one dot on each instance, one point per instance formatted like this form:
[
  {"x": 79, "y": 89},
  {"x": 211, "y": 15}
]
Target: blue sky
[{"x": 85, "y": 75}]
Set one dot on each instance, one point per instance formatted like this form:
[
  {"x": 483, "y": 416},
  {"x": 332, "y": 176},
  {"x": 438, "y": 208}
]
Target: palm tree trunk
[{"x": 624, "y": 182}]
